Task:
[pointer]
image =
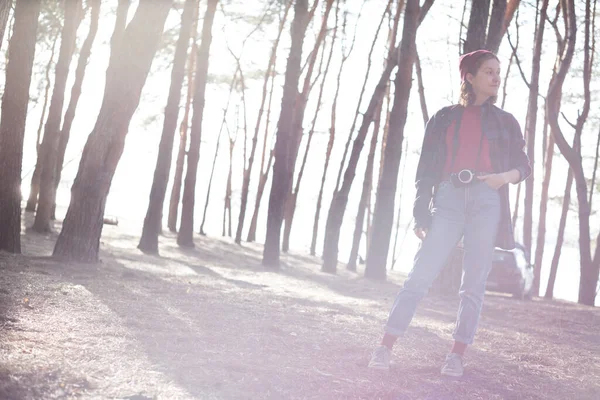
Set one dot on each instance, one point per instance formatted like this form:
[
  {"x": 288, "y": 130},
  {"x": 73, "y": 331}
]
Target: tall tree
[
  {"x": 496, "y": 25},
  {"x": 153, "y": 221},
  {"x": 560, "y": 237},
  {"x": 383, "y": 216},
  {"x": 126, "y": 74},
  {"x": 530, "y": 130},
  {"x": 185, "y": 237},
  {"x": 365, "y": 197},
  {"x": 84, "y": 55},
  {"x": 286, "y": 142},
  {"x": 588, "y": 265},
  {"x": 49, "y": 147},
  {"x": 292, "y": 200},
  {"x": 12, "y": 125},
  {"x": 34, "y": 190},
  {"x": 337, "y": 209},
  {"x": 478, "y": 22},
  {"x": 183, "y": 139},
  {"x": 248, "y": 170},
  {"x": 332, "y": 131},
  {"x": 270, "y": 75},
  {"x": 5, "y": 6}
]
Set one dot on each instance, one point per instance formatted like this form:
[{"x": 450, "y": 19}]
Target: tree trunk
[
  {"x": 291, "y": 206},
  {"x": 35, "y": 178},
  {"x": 214, "y": 163},
  {"x": 541, "y": 236},
  {"x": 153, "y": 221},
  {"x": 298, "y": 121},
  {"x": 49, "y": 147},
  {"x": 383, "y": 216},
  {"x": 495, "y": 30},
  {"x": 593, "y": 184},
  {"x": 478, "y": 22},
  {"x": 248, "y": 173},
  {"x": 227, "y": 208},
  {"x": 313, "y": 243},
  {"x": 12, "y": 124},
  {"x": 530, "y": 130},
  {"x": 127, "y": 70},
  {"x": 181, "y": 153},
  {"x": 5, "y": 6},
  {"x": 264, "y": 173},
  {"x": 365, "y": 195},
  {"x": 511, "y": 7},
  {"x": 120, "y": 23},
  {"x": 65, "y": 133},
  {"x": 185, "y": 238},
  {"x": 422, "y": 99},
  {"x": 340, "y": 198},
  {"x": 285, "y": 138},
  {"x": 560, "y": 238},
  {"x": 589, "y": 273},
  {"x": 362, "y": 92}
]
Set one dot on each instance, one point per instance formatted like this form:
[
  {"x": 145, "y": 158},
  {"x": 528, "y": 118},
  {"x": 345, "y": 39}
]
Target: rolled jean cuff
[
  {"x": 462, "y": 339},
  {"x": 393, "y": 331}
]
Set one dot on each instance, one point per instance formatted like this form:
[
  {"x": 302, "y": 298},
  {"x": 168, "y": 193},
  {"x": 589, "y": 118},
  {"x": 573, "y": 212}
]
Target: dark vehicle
[{"x": 511, "y": 273}]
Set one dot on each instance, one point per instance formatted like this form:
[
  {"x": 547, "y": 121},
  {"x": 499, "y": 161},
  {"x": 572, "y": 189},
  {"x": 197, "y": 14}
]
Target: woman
[{"x": 471, "y": 151}]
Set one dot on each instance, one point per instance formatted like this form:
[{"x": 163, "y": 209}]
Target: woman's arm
[{"x": 518, "y": 158}]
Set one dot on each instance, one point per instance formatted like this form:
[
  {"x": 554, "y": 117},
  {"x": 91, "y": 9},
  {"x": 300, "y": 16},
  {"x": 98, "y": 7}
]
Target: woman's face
[{"x": 486, "y": 81}]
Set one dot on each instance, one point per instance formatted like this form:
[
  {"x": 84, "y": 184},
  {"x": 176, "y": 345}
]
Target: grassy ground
[{"x": 211, "y": 323}]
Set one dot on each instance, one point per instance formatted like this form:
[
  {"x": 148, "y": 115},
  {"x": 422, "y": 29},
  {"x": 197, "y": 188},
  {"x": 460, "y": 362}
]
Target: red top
[{"x": 469, "y": 136}]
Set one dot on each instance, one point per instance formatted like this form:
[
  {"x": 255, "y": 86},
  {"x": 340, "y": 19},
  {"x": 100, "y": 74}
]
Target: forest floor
[{"x": 211, "y": 323}]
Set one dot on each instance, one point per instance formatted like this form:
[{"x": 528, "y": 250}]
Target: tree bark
[
  {"x": 422, "y": 99},
  {"x": 183, "y": 135},
  {"x": 495, "y": 29},
  {"x": 298, "y": 120},
  {"x": 49, "y": 147},
  {"x": 541, "y": 235},
  {"x": 332, "y": 131},
  {"x": 185, "y": 238},
  {"x": 589, "y": 272},
  {"x": 560, "y": 238},
  {"x": 365, "y": 195},
  {"x": 530, "y": 130},
  {"x": 120, "y": 23},
  {"x": 478, "y": 22},
  {"x": 383, "y": 216},
  {"x": 340, "y": 199},
  {"x": 35, "y": 178},
  {"x": 214, "y": 163},
  {"x": 248, "y": 172},
  {"x": 12, "y": 125},
  {"x": 127, "y": 70},
  {"x": 153, "y": 221},
  {"x": 362, "y": 91},
  {"x": 593, "y": 184},
  {"x": 285, "y": 142},
  {"x": 65, "y": 133},
  {"x": 5, "y": 6},
  {"x": 269, "y": 75}
]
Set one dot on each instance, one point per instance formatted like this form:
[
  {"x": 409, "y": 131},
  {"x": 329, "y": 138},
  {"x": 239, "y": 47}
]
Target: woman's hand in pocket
[{"x": 495, "y": 181}]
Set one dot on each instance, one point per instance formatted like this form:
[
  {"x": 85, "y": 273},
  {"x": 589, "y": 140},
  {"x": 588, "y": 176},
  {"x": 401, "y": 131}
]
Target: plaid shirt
[{"x": 506, "y": 153}]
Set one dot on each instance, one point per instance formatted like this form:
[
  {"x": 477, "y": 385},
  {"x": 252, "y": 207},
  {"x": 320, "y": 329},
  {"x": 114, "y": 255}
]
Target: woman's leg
[
  {"x": 446, "y": 230},
  {"x": 482, "y": 219}
]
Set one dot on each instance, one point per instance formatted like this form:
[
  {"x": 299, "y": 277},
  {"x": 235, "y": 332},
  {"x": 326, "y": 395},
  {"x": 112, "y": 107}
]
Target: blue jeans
[{"x": 472, "y": 211}]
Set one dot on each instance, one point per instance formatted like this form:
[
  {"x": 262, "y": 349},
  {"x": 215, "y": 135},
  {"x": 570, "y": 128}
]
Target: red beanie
[{"x": 468, "y": 61}]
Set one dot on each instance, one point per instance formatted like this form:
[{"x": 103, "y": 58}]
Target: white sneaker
[
  {"x": 381, "y": 358},
  {"x": 453, "y": 366}
]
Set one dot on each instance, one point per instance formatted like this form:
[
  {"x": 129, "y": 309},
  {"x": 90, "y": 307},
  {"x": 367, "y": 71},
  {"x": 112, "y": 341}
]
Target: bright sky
[{"x": 437, "y": 45}]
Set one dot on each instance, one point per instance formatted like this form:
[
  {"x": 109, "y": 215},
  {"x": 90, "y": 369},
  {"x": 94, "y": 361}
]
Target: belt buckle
[{"x": 465, "y": 176}]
